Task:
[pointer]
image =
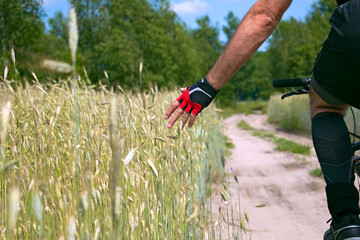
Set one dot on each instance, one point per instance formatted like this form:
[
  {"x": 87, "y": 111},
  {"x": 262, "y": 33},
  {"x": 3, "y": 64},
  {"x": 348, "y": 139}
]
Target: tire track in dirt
[{"x": 292, "y": 203}]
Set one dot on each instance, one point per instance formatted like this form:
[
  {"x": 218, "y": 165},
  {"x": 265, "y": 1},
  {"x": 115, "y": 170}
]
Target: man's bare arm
[{"x": 257, "y": 25}]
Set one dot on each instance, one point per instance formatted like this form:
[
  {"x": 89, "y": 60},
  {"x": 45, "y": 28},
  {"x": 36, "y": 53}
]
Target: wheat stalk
[
  {"x": 12, "y": 52},
  {"x": 5, "y": 112},
  {"x": 141, "y": 69},
  {"x": 6, "y": 71},
  {"x": 56, "y": 66},
  {"x": 14, "y": 200},
  {"x": 73, "y": 34}
]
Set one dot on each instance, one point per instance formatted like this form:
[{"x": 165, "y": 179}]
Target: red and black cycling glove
[{"x": 197, "y": 97}]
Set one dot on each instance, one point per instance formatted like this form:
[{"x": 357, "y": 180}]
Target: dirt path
[{"x": 275, "y": 189}]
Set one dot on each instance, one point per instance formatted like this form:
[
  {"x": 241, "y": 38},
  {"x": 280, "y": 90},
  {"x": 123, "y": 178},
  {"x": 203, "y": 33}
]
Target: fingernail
[
  {"x": 166, "y": 116},
  {"x": 169, "y": 125}
]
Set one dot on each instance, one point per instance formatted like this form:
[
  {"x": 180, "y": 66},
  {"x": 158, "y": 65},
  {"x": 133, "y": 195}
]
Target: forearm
[{"x": 254, "y": 29}]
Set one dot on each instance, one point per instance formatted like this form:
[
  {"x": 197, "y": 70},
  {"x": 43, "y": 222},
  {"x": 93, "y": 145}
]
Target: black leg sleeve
[
  {"x": 333, "y": 148},
  {"x": 342, "y": 198}
]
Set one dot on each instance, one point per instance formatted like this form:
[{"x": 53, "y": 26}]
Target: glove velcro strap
[
  {"x": 206, "y": 86},
  {"x": 202, "y": 92}
]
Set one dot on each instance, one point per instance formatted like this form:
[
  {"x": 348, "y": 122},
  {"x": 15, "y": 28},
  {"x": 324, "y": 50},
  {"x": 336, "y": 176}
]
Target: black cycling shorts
[{"x": 336, "y": 73}]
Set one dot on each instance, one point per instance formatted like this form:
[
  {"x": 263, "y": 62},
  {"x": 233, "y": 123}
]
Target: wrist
[
  {"x": 207, "y": 87},
  {"x": 212, "y": 82}
]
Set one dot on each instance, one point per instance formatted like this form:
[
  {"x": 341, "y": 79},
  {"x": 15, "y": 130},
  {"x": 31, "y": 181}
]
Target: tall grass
[
  {"x": 128, "y": 176},
  {"x": 86, "y": 162},
  {"x": 294, "y": 114}
]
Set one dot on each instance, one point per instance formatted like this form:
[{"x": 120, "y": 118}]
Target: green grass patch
[
  {"x": 283, "y": 144},
  {"x": 245, "y": 107},
  {"x": 229, "y": 144},
  {"x": 244, "y": 125},
  {"x": 316, "y": 172},
  {"x": 260, "y": 206},
  {"x": 263, "y": 134}
]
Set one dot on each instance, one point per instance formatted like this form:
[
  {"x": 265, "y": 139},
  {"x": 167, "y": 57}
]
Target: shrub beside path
[{"x": 281, "y": 199}]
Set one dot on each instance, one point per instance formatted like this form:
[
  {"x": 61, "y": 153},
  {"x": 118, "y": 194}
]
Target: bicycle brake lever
[
  {"x": 300, "y": 91},
  {"x": 288, "y": 95}
]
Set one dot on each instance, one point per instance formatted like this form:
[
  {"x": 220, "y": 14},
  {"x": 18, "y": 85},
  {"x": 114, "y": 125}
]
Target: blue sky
[{"x": 189, "y": 10}]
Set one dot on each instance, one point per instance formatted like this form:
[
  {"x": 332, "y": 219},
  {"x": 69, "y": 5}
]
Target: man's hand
[
  {"x": 191, "y": 102},
  {"x": 175, "y": 107}
]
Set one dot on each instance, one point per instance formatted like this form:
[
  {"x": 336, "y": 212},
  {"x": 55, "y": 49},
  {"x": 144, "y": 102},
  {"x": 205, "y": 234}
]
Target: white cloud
[{"x": 191, "y": 7}]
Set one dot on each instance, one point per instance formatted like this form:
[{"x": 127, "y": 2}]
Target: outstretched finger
[
  {"x": 192, "y": 120},
  {"x": 171, "y": 109},
  {"x": 178, "y": 112},
  {"x": 184, "y": 118}
]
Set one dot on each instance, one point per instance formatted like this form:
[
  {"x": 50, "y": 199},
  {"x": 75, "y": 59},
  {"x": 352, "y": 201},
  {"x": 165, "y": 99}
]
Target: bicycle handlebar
[
  {"x": 355, "y": 147},
  {"x": 304, "y": 83},
  {"x": 294, "y": 82}
]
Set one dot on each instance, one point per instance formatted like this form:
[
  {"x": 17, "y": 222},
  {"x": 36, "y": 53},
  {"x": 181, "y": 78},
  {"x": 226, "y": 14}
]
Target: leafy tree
[
  {"x": 56, "y": 39},
  {"x": 20, "y": 25},
  {"x": 252, "y": 80},
  {"x": 318, "y": 21},
  {"x": 294, "y": 44},
  {"x": 289, "y": 47},
  {"x": 136, "y": 30},
  {"x": 116, "y": 34},
  {"x": 232, "y": 23},
  {"x": 92, "y": 16},
  {"x": 207, "y": 43}
]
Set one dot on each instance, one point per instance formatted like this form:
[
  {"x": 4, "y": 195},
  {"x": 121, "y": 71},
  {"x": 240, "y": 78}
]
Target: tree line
[{"x": 116, "y": 35}]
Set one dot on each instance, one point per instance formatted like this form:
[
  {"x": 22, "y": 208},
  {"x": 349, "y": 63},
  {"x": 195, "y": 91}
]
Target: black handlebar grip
[{"x": 295, "y": 82}]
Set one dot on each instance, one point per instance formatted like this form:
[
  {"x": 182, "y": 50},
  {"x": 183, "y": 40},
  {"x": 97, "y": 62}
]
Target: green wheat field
[
  {"x": 95, "y": 164},
  {"x": 79, "y": 161}
]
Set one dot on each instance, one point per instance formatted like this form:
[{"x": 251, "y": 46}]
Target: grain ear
[{"x": 73, "y": 34}]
